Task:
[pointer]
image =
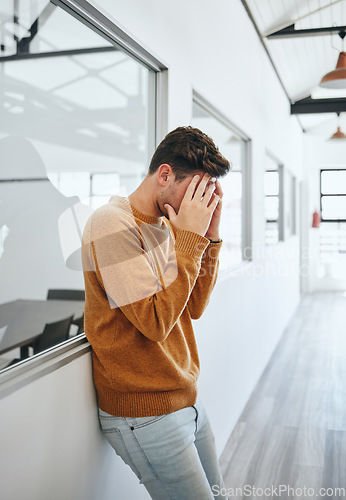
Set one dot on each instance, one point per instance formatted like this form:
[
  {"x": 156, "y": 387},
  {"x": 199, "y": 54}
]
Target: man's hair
[{"x": 188, "y": 150}]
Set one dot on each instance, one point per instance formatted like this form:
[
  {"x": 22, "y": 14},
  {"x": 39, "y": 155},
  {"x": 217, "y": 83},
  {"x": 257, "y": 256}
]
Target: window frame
[
  {"x": 339, "y": 222},
  {"x": 32, "y": 368},
  {"x": 293, "y": 195},
  {"x": 323, "y": 195},
  {"x": 246, "y": 145},
  {"x": 280, "y": 196}
]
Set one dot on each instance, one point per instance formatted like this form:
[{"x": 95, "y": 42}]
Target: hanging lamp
[
  {"x": 339, "y": 133},
  {"x": 336, "y": 79}
]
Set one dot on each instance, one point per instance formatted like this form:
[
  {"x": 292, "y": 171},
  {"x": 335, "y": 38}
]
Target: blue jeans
[{"x": 173, "y": 455}]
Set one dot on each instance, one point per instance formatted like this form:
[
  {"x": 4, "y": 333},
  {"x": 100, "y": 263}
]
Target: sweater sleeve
[
  {"x": 205, "y": 282},
  {"x": 150, "y": 283}
]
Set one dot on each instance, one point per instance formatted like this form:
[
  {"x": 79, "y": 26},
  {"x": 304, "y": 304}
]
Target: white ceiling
[{"x": 302, "y": 62}]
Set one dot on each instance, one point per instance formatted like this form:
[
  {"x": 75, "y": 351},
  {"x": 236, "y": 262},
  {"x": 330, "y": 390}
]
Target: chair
[
  {"x": 53, "y": 334},
  {"x": 69, "y": 294},
  {"x": 7, "y": 359}
]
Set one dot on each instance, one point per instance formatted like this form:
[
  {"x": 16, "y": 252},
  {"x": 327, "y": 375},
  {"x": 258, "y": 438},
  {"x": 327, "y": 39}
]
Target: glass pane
[
  {"x": 270, "y": 164},
  {"x": 271, "y": 208},
  {"x": 103, "y": 183},
  {"x": 333, "y": 182},
  {"x": 271, "y": 183},
  {"x": 232, "y": 147},
  {"x": 73, "y": 131},
  {"x": 334, "y": 207},
  {"x": 271, "y": 200},
  {"x": 333, "y": 248},
  {"x": 271, "y": 233}
]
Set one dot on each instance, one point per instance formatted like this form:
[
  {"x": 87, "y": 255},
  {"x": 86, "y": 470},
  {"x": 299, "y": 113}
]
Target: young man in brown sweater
[{"x": 150, "y": 262}]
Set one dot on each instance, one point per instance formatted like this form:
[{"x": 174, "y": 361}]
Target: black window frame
[
  {"x": 322, "y": 195},
  {"x": 280, "y": 220}
]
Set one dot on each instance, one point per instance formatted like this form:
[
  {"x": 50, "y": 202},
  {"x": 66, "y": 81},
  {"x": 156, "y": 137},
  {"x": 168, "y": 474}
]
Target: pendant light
[
  {"x": 336, "y": 79},
  {"x": 339, "y": 133}
]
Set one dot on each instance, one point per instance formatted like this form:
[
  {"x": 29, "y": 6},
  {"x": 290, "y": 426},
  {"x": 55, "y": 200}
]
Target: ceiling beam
[
  {"x": 57, "y": 53},
  {"x": 285, "y": 25},
  {"x": 290, "y": 32},
  {"x": 312, "y": 106}
]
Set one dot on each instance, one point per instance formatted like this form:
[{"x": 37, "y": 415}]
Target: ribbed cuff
[
  {"x": 213, "y": 250},
  {"x": 191, "y": 243}
]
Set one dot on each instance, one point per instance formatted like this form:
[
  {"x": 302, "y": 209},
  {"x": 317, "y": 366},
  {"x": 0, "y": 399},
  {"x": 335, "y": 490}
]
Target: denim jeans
[{"x": 173, "y": 455}]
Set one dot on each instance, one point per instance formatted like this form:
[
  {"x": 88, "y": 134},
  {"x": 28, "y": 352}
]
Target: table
[{"x": 26, "y": 320}]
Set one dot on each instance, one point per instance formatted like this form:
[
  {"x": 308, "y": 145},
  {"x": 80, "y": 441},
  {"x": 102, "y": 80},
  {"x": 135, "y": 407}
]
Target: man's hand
[
  {"x": 197, "y": 207},
  {"x": 213, "y": 231}
]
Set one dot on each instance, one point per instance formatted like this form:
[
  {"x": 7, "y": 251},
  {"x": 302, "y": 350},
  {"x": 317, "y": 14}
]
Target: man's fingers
[
  {"x": 213, "y": 197},
  {"x": 218, "y": 189},
  {"x": 214, "y": 202},
  {"x": 170, "y": 211},
  {"x": 209, "y": 193},
  {"x": 201, "y": 186},
  {"x": 191, "y": 188}
]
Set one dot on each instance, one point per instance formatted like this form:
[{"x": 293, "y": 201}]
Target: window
[
  {"x": 234, "y": 145},
  {"x": 290, "y": 205},
  {"x": 293, "y": 205},
  {"x": 78, "y": 124},
  {"x": 273, "y": 201},
  {"x": 333, "y": 195},
  {"x": 333, "y": 218}
]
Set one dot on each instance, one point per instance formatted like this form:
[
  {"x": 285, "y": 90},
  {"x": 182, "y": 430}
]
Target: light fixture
[
  {"x": 339, "y": 133},
  {"x": 336, "y": 79}
]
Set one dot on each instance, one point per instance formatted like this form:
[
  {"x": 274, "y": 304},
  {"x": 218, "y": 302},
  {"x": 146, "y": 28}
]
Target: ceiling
[{"x": 301, "y": 61}]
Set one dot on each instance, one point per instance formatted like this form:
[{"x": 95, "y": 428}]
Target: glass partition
[
  {"x": 76, "y": 115},
  {"x": 234, "y": 219}
]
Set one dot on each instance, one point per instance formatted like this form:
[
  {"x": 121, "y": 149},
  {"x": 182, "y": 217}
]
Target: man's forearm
[{"x": 206, "y": 280}]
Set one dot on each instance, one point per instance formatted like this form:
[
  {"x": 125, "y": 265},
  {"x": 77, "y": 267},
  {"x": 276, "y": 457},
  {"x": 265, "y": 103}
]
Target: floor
[{"x": 292, "y": 433}]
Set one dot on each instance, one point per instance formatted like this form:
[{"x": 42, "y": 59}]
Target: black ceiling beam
[
  {"x": 58, "y": 53},
  {"x": 312, "y": 106},
  {"x": 290, "y": 32}
]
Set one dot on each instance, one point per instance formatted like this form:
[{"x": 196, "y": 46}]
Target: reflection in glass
[{"x": 73, "y": 131}]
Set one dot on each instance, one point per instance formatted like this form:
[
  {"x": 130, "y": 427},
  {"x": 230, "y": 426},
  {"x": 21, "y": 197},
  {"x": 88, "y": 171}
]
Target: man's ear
[{"x": 165, "y": 174}]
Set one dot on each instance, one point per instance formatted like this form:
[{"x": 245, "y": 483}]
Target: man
[{"x": 150, "y": 262}]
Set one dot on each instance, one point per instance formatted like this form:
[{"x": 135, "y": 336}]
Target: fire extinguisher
[{"x": 316, "y": 218}]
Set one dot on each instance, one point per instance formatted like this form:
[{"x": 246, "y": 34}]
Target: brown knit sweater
[{"x": 144, "y": 282}]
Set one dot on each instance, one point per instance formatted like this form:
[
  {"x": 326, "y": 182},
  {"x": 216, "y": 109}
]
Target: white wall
[
  {"x": 213, "y": 48},
  {"x": 51, "y": 445}
]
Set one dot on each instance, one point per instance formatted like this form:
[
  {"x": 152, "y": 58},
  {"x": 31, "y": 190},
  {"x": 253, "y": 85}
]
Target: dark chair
[
  {"x": 61, "y": 294},
  {"x": 53, "y": 334},
  {"x": 69, "y": 294},
  {"x": 10, "y": 360}
]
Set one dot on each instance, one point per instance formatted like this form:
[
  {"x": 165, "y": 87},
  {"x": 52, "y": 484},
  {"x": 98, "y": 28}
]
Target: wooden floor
[{"x": 293, "y": 429}]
